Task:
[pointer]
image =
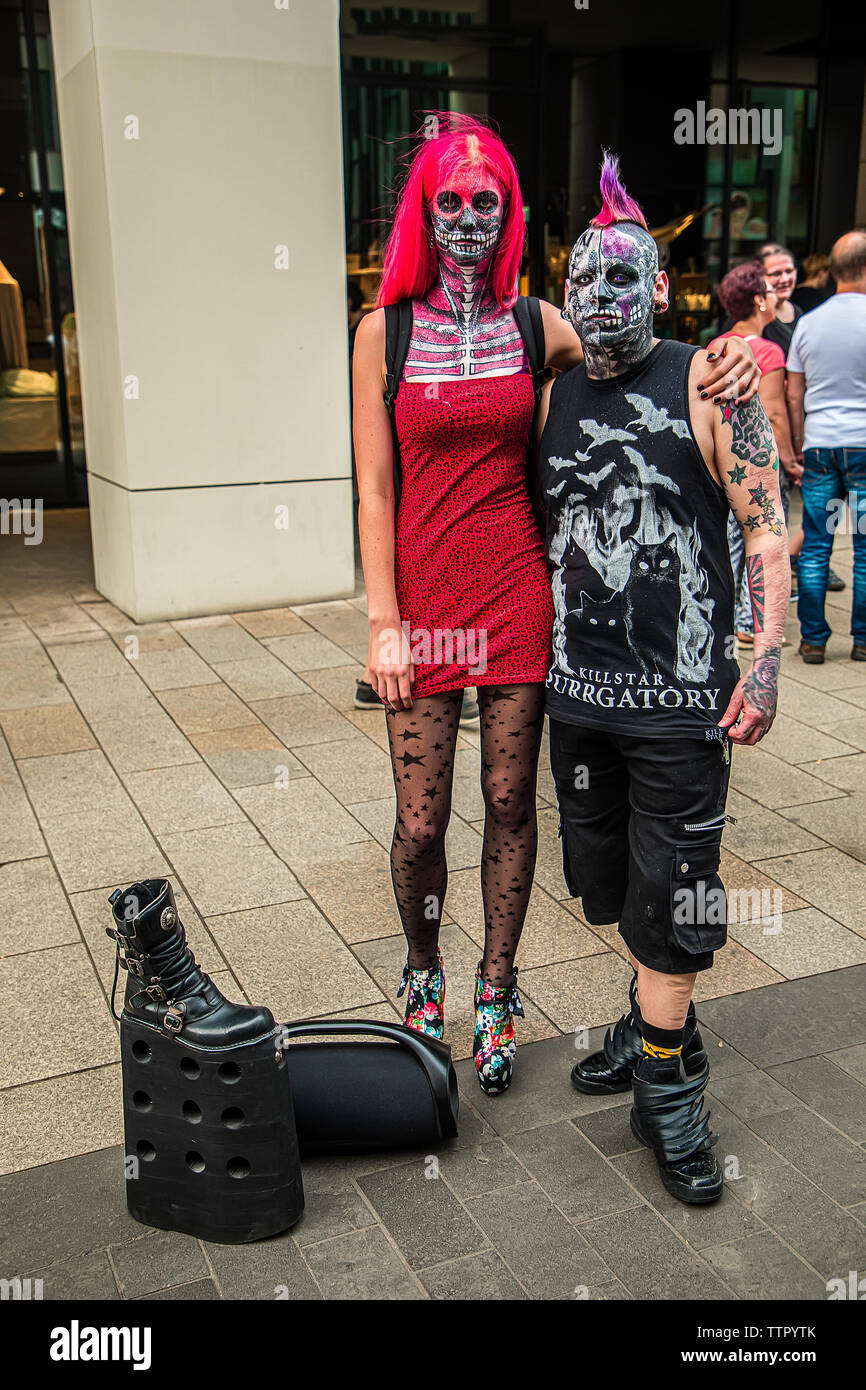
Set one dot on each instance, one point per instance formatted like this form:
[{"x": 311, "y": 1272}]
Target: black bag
[
  {"x": 381, "y": 1086},
  {"x": 398, "y": 331}
]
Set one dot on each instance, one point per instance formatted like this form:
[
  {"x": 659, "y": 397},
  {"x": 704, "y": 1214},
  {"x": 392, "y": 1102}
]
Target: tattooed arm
[{"x": 748, "y": 464}]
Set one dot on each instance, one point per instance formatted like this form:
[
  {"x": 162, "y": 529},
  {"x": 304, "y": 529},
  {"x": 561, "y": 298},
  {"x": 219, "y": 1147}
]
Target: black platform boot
[
  {"x": 668, "y": 1116},
  {"x": 610, "y": 1071},
  {"x": 211, "y": 1147}
]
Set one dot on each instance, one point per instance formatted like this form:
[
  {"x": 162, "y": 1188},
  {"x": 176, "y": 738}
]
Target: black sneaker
[
  {"x": 834, "y": 583},
  {"x": 365, "y": 696}
]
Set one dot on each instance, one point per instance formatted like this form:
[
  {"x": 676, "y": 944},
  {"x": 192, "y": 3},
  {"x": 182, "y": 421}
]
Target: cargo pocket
[
  {"x": 699, "y": 907},
  {"x": 568, "y": 875}
]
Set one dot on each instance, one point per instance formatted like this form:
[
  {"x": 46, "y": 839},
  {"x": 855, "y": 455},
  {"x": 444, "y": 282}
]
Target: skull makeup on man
[
  {"x": 615, "y": 285},
  {"x": 641, "y": 469}
]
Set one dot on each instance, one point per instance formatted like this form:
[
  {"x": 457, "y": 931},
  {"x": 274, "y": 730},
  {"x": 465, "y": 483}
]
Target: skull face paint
[
  {"x": 611, "y": 279},
  {"x": 467, "y": 211}
]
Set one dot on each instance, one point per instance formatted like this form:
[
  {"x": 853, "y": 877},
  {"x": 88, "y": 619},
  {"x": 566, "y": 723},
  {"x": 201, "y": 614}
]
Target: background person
[
  {"x": 815, "y": 284},
  {"x": 748, "y": 295},
  {"x": 827, "y": 396}
]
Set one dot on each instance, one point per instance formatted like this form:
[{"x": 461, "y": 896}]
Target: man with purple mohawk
[{"x": 640, "y": 469}]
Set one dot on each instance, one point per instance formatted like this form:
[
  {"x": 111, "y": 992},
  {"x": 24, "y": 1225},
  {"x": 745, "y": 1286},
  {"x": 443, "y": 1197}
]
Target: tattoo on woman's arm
[{"x": 755, "y": 571}]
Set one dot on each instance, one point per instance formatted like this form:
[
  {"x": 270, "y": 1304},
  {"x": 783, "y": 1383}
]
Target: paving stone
[
  {"x": 266, "y": 1270},
  {"x": 801, "y": 943},
  {"x": 609, "y": 1131},
  {"x": 156, "y": 1261},
  {"x": 612, "y": 1292},
  {"x": 734, "y": 971},
  {"x": 800, "y": 1018},
  {"x": 850, "y": 731},
  {"x": 271, "y": 622},
  {"x": 20, "y": 835},
  {"x": 353, "y": 890},
  {"x": 81, "y": 1278},
  {"x": 94, "y": 847},
  {"x": 422, "y": 1215},
  {"x": 851, "y": 1060},
  {"x": 774, "y": 782},
  {"x": 361, "y": 1265},
  {"x": 579, "y": 993},
  {"x": 846, "y": 774},
  {"x": 795, "y": 742},
  {"x": 338, "y": 620},
  {"x": 260, "y": 677},
  {"x": 34, "y": 912},
  {"x": 248, "y": 757},
  {"x": 55, "y": 1119},
  {"x": 828, "y": 1089},
  {"x": 746, "y": 881},
  {"x": 201, "y": 709},
  {"x": 96, "y": 660},
  {"x": 299, "y": 720},
  {"x": 762, "y": 1267},
  {"x": 138, "y": 740},
  {"x": 571, "y": 1173},
  {"x": 189, "y": 797},
  {"x": 301, "y": 819},
  {"x": 201, "y": 1289},
  {"x": 53, "y": 996},
  {"x": 329, "y": 1214},
  {"x": 306, "y": 651},
  {"x": 481, "y": 1168},
  {"x": 28, "y": 679},
  {"x": 218, "y": 638},
  {"x": 759, "y": 833},
  {"x": 483, "y": 1277},
  {"x": 230, "y": 868},
  {"x": 754, "y": 1094},
  {"x": 336, "y": 684},
  {"x": 842, "y": 822},
  {"x": 174, "y": 668},
  {"x": 830, "y": 880},
  {"x": 647, "y": 1257},
  {"x": 544, "y": 1251},
  {"x": 290, "y": 958},
  {"x": 67, "y": 782},
  {"x": 835, "y": 1164},
  {"x": 42, "y": 729},
  {"x": 352, "y": 769},
  {"x": 65, "y": 1209},
  {"x": 822, "y": 1233}
]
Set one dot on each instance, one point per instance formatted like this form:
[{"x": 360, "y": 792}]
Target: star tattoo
[{"x": 737, "y": 474}]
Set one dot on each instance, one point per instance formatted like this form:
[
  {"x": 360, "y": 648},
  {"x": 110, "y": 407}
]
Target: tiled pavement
[{"x": 225, "y": 752}]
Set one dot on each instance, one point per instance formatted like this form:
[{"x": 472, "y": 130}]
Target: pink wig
[
  {"x": 616, "y": 205},
  {"x": 410, "y": 265}
]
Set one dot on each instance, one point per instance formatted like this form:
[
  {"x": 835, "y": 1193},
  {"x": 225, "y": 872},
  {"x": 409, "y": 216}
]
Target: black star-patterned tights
[{"x": 422, "y": 741}]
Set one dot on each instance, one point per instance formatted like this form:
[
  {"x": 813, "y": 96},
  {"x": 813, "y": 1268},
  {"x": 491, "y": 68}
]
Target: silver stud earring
[{"x": 563, "y": 313}]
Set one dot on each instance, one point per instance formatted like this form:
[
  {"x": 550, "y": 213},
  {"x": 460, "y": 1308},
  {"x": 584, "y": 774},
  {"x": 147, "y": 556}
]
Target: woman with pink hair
[{"x": 457, "y": 580}]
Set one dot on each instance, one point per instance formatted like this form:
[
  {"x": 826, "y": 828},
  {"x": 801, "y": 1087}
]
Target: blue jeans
[{"x": 829, "y": 477}]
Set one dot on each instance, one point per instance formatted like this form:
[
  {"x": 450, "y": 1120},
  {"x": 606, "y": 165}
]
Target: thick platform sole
[
  {"x": 210, "y": 1141},
  {"x": 597, "y": 1088},
  {"x": 693, "y": 1197}
]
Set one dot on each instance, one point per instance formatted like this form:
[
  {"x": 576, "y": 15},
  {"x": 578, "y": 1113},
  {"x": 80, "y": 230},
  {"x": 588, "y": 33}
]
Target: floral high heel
[
  {"x": 494, "y": 1045},
  {"x": 425, "y": 1006}
]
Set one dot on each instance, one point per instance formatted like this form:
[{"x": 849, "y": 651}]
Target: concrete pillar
[{"x": 202, "y": 162}]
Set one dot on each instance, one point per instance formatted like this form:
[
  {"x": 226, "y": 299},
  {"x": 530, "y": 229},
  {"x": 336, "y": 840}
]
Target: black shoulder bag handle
[{"x": 398, "y": 331}]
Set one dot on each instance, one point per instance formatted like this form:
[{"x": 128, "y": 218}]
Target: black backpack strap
[
  {"x": 398, "y": 331},
  {"x": 527, "y": 316}
]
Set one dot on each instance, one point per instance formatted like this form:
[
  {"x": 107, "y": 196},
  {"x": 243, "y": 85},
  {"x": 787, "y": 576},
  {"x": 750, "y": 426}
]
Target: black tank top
[{"x": 637, "y": 537}]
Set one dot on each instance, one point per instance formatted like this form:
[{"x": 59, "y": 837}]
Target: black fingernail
[
  {"x": 716, "y": 400},
  {"x": 704, "y": 395},
  {"x": 711, "y": 356}
]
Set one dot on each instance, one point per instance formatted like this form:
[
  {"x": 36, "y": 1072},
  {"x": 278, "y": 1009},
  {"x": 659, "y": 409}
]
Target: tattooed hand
[{"x": 752, "y": 708}]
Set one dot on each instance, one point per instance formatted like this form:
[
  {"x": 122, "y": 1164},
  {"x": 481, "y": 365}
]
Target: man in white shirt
[{"x": 827, "y": 391}]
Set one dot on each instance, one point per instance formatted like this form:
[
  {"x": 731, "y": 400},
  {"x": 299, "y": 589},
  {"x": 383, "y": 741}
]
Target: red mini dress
[{"x": 472, "y": 582}]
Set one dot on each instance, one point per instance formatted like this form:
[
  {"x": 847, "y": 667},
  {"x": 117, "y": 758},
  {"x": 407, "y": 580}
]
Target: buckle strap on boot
[{"x": 670, "y": 1113}]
